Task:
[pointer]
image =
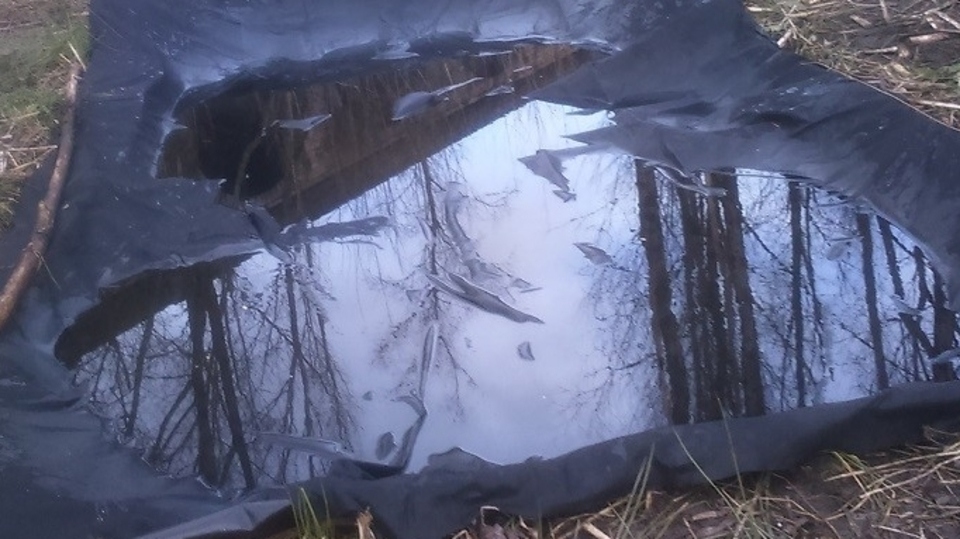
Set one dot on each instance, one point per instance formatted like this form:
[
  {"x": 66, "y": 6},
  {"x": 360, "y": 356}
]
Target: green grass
[
  {"x": 30, "y": 61},
  {"x": 35, "y": 57},
  {"x": 308, "y": 523}
]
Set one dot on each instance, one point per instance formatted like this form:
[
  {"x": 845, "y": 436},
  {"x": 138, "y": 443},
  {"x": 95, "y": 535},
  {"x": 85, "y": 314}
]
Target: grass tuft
[{"x": 309, "y": 525}]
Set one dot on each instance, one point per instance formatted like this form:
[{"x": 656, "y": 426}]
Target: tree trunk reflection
[{"x": 663, "y": 322}]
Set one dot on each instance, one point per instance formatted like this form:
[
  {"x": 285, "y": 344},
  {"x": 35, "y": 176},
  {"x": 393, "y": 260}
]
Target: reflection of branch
[
  {"x": 138, "y": 375},
  {"x": 773, "y": 256},
  {"x": 640, "y": 362},
  {"x": 245, "y": 161},
  {"x": 908, "y": 321},
  {"x": 854, "y": 334},
  {"x": 339, "y": 407},
  {"x": 160, "y": 442},
  {"x": 456, "y": 365}
]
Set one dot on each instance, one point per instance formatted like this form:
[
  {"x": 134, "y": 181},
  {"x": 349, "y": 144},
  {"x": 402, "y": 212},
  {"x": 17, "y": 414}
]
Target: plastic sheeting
[{"x": 693, "y": 86}]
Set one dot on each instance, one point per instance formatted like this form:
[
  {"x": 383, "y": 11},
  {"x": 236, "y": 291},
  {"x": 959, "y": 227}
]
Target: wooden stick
[
  {"x": 939, "y": 104},
  {"x": 33, "y": 253}
]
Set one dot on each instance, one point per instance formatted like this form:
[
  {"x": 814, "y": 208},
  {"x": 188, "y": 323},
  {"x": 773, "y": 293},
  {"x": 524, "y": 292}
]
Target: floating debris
[
  {"x": 480, "y": 270},
  {"x": 905, "y": 309},
  {"x": 839, "y": 247},
  {"x": 395, "y": 54},
  {"x": 303, "y": 124},
  {"x": 584, "y": 112},
  {"x": 521, "y": 284},
  {"x": 945, "y": 357},
  {"x": 549, "y": 167},
  {"x": 501, "y": 90},
  {"x": 318, "y": 446},
  {"x": 525, "y": 351},
  {"x": 385, "y": 444},
  {"x": 689, "y": 183},
  {"x": 414, "y": 402},
  {"x": 414, "y": 295},
  {"x": 594, "y": 254},
  {"x": 417, "y": 102},
  {"x": 478, "y": 297},
  {"x": 414, "y": 103},
  {"x": 490, "y": 302},
  {"x": 430, "y": 346}
]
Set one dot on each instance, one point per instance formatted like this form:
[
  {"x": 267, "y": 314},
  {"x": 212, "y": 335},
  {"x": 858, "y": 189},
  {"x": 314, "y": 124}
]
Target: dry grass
[
  {"x": 899, "y": 494},
  {"x": 907, "y": 48},
  {"x": 38, "y": 42}
]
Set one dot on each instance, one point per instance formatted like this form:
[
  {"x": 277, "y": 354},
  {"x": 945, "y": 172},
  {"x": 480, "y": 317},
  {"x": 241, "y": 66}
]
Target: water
[{"x": 530, "y": 295}]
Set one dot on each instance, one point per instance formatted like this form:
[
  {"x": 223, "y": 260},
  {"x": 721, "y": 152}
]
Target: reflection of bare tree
[
  {"x": 915, "y": 339},
  {"x": 794, "y": 194},
  {"x": 704, "y": 302},
  {"x": 723, "y": 332},
  {"x": 801, "y": 330},
  {"x": 738, "y": 274},
  {"x": 666, "y": 330},
  {"x": 704, "y": 313},
  {"x": 709, "y": 353},
  {"x": 944, "y": 331},
  {"x": 205, "y": 379},
  {"x": 870, "y": 294},
  {"x": 201, "y": 366}
]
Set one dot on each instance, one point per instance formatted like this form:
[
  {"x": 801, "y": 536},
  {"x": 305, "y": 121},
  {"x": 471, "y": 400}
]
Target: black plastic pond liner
[{"x": 693, "y": 86}]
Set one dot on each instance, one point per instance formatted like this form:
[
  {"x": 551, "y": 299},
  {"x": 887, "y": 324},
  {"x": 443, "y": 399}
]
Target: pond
[{"x": 493, "y": 286}]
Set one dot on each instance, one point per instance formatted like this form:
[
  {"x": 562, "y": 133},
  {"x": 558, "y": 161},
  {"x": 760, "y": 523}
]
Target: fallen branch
[{"x": 33, "y": 253}]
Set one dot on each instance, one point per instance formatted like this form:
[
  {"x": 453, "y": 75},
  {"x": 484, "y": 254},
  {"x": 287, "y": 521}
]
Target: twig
[
  {"x": 948, "y": 19},
  {"x": 885, "y": 11},
  {"x": 884, "y": 50},
  {"x": 46, "y": 211},
  {"x": 785, "y": 38},
  {"x": 33, "y": 148},
  {"x": 594, "y": 531},
  {"x": 76, "y": 55},
  {"x": 939, "y": 104},
  {"x": 924, "y": 39}
]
